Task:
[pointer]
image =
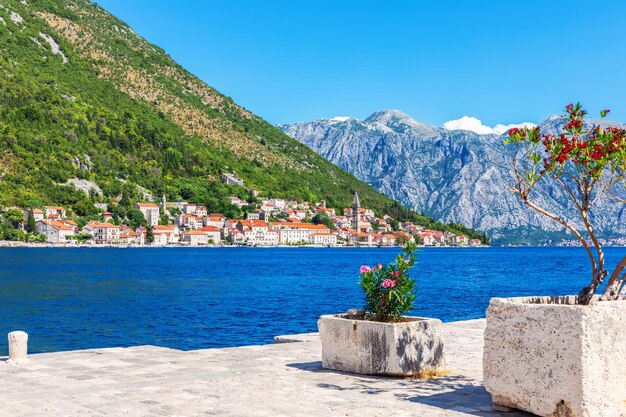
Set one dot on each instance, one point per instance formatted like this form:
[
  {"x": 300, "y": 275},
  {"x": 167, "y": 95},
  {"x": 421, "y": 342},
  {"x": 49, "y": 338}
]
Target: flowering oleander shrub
[
  {"x": 588, "y": 162},
  {"x": 389, "y": 290}
]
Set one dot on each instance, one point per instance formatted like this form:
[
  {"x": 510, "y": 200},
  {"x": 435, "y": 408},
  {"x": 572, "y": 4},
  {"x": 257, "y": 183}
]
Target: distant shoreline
[{"x": 15, "y": 244}]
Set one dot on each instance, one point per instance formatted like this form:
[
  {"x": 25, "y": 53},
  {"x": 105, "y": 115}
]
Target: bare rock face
[
  {"x": 86, "y": 186},
  {"x": 552, "y": 357},
  {"x": 375, "y": 348},
  {"x": 451, "y": 175}
]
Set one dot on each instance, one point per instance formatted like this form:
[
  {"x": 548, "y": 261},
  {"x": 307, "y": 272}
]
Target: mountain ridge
[
  {"x": 457, "y": 175},
  {"x": 86, "y": 100}
]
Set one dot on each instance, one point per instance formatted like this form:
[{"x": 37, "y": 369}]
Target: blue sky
[{"x": 500, "y": 61}]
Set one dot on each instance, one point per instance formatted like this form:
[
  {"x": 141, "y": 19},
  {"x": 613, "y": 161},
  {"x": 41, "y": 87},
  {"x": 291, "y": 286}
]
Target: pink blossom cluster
[
  {"x": 365, "y": 269},
  {"x": 388, "y": 283}
]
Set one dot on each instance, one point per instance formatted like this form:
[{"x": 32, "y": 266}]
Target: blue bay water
[{"x": 188, "y": 298}]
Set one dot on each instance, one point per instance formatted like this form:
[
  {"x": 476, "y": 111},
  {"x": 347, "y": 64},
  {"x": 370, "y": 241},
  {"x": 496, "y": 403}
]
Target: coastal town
[{"x": 272, "y": 222}]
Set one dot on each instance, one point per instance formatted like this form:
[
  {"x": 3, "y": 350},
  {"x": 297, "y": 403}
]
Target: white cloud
[
  {"x": 475, "y": 125},
  {"x": 500, "y": 129}
]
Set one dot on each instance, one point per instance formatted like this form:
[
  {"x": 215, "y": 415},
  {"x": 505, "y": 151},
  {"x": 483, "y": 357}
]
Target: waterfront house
[
  {"x": 195, "y": 237},
  {"x": 297, "y": 233},
  {"x": 257, "y": 233},
  {"x": 54, "y": 230},
  {"x": 131, "y": 237},
  {"x": 404, "y": 236},
  {"x": 150, "y": 211},
  {"x": 213, "y": 234},
  {"x": 363, "y": 238},
  {"x": 88, "y": 228},
  {"x": 323, "y": 238},
  {"x": 106, "y": 234},
  {"x": 382, "y": 239},
  {"x": 165, "y": 234},
  {"x": 72, "y": 224},
  {"x": 236, "y": 237},
  {"x": 125, "y": 238},
  {"x": 461, "y": 240},
  {"x": 475, "y": 242}
]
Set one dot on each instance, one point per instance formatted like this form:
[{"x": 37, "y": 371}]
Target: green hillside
[{"x": 84, "y": 97}]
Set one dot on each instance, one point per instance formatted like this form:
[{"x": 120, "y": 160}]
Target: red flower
[{"x": 513, "y": 131}]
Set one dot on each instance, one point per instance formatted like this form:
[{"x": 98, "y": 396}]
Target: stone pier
[{"x": 282, "y": 379}]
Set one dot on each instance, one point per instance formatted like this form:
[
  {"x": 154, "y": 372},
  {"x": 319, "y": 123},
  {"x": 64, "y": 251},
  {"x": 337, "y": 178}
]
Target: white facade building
[
  {"x": 150, "y": 211},
  {"x": 195, "y": 238},
  {"x": 106, "y": 234},
  {"x": 322, "y": 238}
]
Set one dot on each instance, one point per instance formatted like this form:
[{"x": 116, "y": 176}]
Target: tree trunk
[
  {"x": 614, "y": 285},
  {"x": 586, "y": 294}
]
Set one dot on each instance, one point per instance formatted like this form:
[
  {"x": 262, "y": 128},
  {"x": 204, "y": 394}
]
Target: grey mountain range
[{"x": 452, "y": 175}]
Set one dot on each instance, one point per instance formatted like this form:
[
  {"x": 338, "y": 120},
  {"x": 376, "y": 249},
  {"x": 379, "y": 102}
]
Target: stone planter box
[
  {"x": 373, "y": 348},
  {"x": 552, "y": 357}
]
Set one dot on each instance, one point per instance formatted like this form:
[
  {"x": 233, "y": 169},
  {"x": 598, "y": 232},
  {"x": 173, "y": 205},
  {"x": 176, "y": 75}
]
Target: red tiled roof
[
  {"x": 210, "y": 229},
  {"x": 105, "y": 225}
]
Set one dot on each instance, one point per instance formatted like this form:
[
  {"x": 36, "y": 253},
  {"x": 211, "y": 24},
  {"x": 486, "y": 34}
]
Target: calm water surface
[{"x": 189, "y": 298}]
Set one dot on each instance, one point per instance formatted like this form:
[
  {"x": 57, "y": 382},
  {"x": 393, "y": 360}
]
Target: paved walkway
[{"x": 284, "y": 379}]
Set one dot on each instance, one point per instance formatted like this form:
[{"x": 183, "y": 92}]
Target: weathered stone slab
[
  {"x": 373, "y": 348},
  {"x": 285, "y": 379},
  {"x": 297, "y": 338},
  {"x": 552, "y": 357}
]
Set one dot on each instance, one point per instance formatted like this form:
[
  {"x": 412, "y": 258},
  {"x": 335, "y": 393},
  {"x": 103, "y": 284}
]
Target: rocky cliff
[{"x": 454, "y": 175}]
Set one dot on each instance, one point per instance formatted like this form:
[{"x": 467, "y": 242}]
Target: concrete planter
[
  {"x": 373, "y": 348},
  {"x": 552, "y": 357}
]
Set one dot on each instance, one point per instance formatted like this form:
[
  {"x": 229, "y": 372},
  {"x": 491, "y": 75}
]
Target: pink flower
[
  {"x": 395, "y": 274},
  {"x": 388, "y": 283},
  {"x": 365, "y": 269},
  {"x": 380, "y": 266}
]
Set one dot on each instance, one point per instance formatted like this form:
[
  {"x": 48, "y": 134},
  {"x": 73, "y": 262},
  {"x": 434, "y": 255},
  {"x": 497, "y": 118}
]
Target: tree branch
[{"x": 566, "y": 225}]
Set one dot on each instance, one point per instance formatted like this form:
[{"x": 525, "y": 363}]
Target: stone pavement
[{"x": 284, "y": 379}]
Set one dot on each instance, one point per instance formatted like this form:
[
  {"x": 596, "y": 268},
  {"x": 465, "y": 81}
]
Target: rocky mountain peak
[
  {"x": 392, "y": 117},
  {"x": 455, "y": 175}
]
